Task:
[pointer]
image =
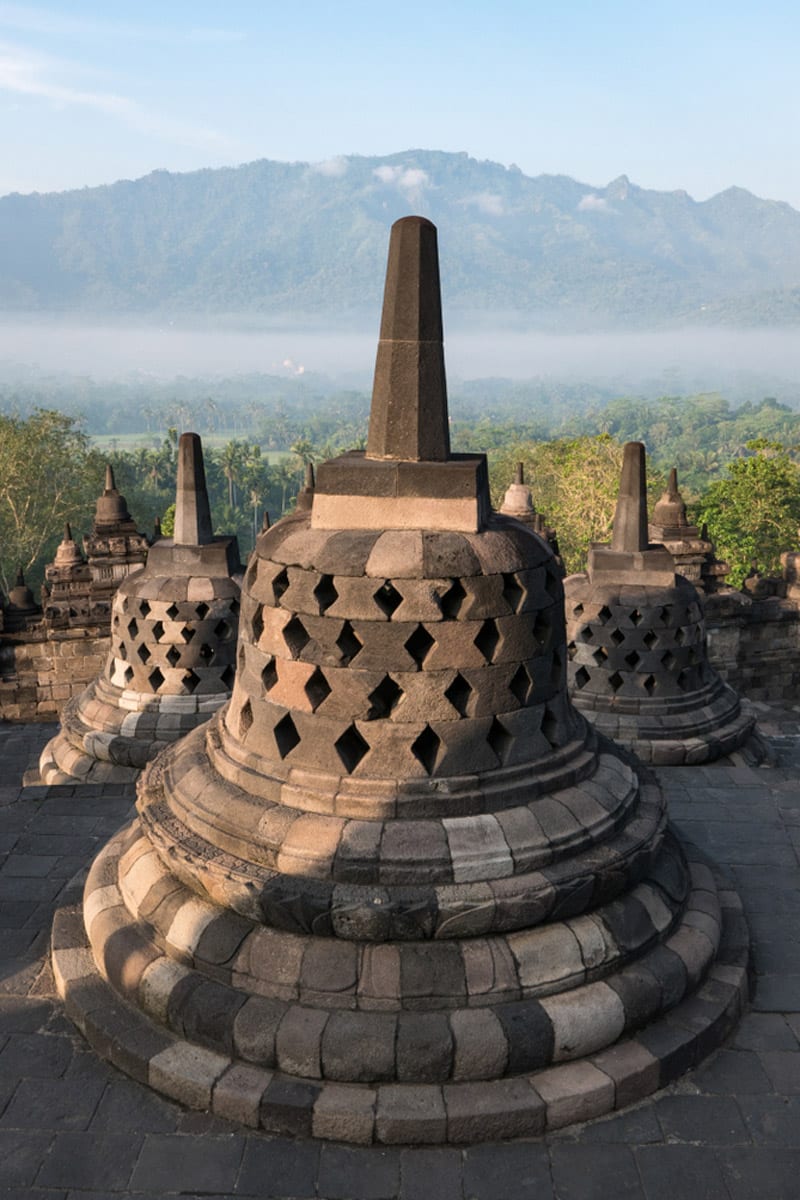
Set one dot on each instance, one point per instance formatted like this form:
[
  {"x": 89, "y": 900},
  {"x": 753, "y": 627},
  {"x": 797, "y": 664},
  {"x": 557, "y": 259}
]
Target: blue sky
[{"x": 699, "y": 96}]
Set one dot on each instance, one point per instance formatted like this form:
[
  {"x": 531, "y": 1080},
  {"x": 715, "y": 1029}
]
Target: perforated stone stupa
[
  {"x": 638, "y": 666},
  {"x": 399, "y": 889},
  {"x": 173, "y": 641}
]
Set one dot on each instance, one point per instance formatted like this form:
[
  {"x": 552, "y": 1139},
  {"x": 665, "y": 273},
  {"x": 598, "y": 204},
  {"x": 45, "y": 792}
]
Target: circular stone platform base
[{"x": 153, "y": 1046}]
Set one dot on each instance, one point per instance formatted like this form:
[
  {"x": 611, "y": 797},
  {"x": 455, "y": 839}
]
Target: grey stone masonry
[
  {"x": 636, "y": 643},
  {"x": 398, "y": 889},
  {"x": 172, "y": 657}
]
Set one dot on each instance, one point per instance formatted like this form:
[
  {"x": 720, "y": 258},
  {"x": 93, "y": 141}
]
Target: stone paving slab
[{"x": 74, "y": 1128}]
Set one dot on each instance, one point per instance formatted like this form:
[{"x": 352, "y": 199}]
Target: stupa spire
[
  {"x": 408, "y": 421},
  {"x": 192, "y": 511},
  {"x": 630, "y": 519},
  {"x": 110, "y": 485}
]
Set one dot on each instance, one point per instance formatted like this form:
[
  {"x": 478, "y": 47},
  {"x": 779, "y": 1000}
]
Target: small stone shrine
[
  {"x": 399, "y": 890},
  {"x": 21, "y": 610},
  {"x": 690, "y": 548},
  {"x": 173, "y": 641},
  {"x": 518, "y": 503},
  {"x": 114, "y": 547},
  {"x": 68, "y": 586},
  {"x": 638, "y": 666}
]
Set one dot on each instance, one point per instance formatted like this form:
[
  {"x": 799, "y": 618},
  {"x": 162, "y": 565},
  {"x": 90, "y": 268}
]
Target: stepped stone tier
[
  {"x": 690, "y": 548},
  {"x": 518, "y": 503},
  {"x": 173, "y": 642},
  {"x": 638, "y": 666},
  {"x": 398, "y": 889}
]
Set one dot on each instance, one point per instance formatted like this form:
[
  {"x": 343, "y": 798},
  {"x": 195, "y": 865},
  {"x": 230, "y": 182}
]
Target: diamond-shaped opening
[
  {"x": 487, "y": 638},
  {"x": 173, "y": 656},
  {"x": 550, "y": 727},
  {"x": 542, "y": 629},
  {"x": 206, "y": 652},
  {"x": 692, "y": 656},
  {"x": 425, "y": 748},
  {"x": 115, "y": 622},
  {"x": 419, "y": 644},
  {"x": 128, "y": 676},
  {"x": 280, "y": 584},
  {"x": 616, "y": 681},
  {"x": 500, "y": 740},
  {"x": 636, "y": 616},
  {"x": 513, "y": 591},
  {"x": 173, "y": 612},
  {"x": 458, "y": 692},
  {"x": 190, "y": 681},
  {"x": 133, "y": 627},
  {"x": 572, "y": 650},
  {"x": 650, "y": 639},
  {"x": 252, "y": 571},
  {"x": 617, "y": 637},
  {"x": 384, "y": 698},
  {"x": 144, "y": 653},
  {"x": 202, "y": 610},
  {"x": 286, "y": 736},
  {"x": 680, "y": 635},
  {"x": 521, "y": 682},
  {"x": 668, "y": 660},
  {"x": 296, "y": 637},
  {"x": 666, "y": 614},
  {"x": 144, "y": 608},
  {"x": 187, "y": 633},
  {"x": 325, "y": 593},
  {"x": 158, "y": 631},
  {"x": 155, "y": 679},
  {"x": 242, "y": 658},
  {"x": 683, "y": 680},
  {"x": 633, "y": 659},
  {"x": 269, "y": 676},
  {"x": 317, "y": 689},
  {"x": 245, "y": 718},
  {"x": 649, "y": 684},
  {"x": 227, "y": 676},
  {"x": 387, "y": 598},
  {"x": 587, "y": 634},
  {"x": 258, "y": 623},
  {"x": 604, "y": 614},
  {"x": 223, "y": 631},
  {"x": 600, "y": 655},
  {"x": 348, "y": 643},
  {"x": 351, "y": 748},
  {"x": 122, "y": 652},
  {"x": 577, "y": 610},
  {"x": 582, "y": 677},
  {"x": 452, "y": 600}
]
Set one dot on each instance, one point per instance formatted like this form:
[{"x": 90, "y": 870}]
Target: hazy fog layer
[{"x": 681, "y": 361}]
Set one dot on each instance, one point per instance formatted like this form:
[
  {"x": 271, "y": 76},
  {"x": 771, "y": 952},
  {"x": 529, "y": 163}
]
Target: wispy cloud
[
  {"x": 488, "y": 202},
  {"x": 332, "y": 167},
  {"x": 592, "y": 203},
  {"x": 27, "y": 19},
  {"x": 26, "y": 73},
  {"x": 410, "y": 180}
]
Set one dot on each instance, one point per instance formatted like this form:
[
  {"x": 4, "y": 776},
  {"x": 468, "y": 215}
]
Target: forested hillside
[{"x": 290, "y": 238}]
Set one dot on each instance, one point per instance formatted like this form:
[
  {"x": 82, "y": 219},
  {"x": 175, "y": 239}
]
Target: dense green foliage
[
  {"x": 737, "y": 465},
  {"x": 276, "y": 237}
]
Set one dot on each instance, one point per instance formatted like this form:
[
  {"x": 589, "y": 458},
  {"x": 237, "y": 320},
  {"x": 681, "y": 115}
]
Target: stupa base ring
[{"x": 471, "y": 1110}]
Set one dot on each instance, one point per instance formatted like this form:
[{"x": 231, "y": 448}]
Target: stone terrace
[{"x": 74, "y": 1128}]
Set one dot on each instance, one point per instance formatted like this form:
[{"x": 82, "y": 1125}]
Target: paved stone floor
[{"x": 73, "y": 1128}]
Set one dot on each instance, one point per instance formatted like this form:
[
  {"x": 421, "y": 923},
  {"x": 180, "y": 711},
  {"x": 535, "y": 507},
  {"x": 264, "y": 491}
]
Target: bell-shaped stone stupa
[
  {"x": 173, "y": 641},
  {"x": 399, "y": 889},
  {"x": 689, "y": 546},
  {"x": 637, "y": 646},
  {"x": 518, "y": 503}
]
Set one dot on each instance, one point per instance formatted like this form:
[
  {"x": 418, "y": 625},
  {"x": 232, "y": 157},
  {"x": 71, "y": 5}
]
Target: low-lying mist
[{"x": 740, "y": 363}]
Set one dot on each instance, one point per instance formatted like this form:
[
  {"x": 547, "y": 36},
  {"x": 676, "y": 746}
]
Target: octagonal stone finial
[
  {"x": 630, "y": 518},
  {"x": 192, "y": 511},
  {"x": 408, "y": 421}
]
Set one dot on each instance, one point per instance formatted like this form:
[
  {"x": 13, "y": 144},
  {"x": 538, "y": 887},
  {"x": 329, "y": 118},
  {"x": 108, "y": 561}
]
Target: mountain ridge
[{"x": 269, "y": 237}]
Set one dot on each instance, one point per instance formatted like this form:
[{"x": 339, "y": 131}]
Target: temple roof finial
[
  {"x": 192, "y": 511},
  {"x": 408, "y": 420},
  {"x": 110, "y": 484},
  {"x": 630, "y": 519}
]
